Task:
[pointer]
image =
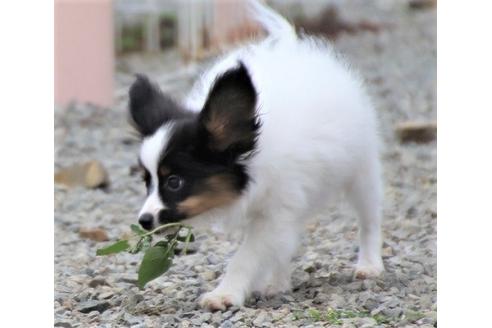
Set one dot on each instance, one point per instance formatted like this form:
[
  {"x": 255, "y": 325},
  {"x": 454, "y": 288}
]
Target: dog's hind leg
[{"x": 365, "y": 195}]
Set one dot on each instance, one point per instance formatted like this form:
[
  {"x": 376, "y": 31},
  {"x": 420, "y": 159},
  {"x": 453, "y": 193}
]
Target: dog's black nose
[{"x": 146, "y": 221}]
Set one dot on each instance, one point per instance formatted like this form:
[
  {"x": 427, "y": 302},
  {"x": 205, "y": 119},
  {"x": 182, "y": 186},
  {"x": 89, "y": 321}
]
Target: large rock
[
  {"x": 420, "y": 132},
  {"x": 91, "y": 174}
]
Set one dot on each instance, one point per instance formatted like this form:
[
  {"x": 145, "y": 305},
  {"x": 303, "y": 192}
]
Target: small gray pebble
[
  {"x": 260, "y": 318},
  {"x": 227, "y": 324},
  {"x": 206, "y": 317},
  {"x": 217, "y": 317},
  {"x": 92, "y": 305},
  {"x": 287, "y": 298},
  {"x": 132, "y": 320},
  {"x": 213, "y": 259},
  {"x": 98, "y": 282}
]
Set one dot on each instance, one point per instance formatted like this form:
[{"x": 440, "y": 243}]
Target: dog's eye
[{"x": 174, "y": 183}]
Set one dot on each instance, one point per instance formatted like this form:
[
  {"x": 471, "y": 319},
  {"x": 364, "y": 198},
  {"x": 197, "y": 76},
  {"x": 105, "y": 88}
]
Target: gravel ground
[{"x": 399, "y": 63}]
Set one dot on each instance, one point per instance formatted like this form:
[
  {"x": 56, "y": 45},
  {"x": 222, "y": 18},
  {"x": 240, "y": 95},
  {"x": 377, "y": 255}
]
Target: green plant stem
[
  {"x": 165, "y": 226},
  {"x": 173, "y": 244},
  {"x": 187, "y": 241}
]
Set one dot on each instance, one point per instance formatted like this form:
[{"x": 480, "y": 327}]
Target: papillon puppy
[{"x": 269, "y": 136}]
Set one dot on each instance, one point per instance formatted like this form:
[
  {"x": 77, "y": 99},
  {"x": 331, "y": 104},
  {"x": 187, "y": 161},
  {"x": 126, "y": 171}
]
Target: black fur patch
[
  {"x": 150, "y": 108},
  {"x": 229, "y": 114},
  {"x": 189, "y": 157},
  {"x": 203, "y": 149}
]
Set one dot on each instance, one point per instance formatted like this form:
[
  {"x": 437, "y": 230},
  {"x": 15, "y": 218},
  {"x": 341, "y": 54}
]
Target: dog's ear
[
  {"x": 229, "y": 115},
  {"x": 150, "y": 108}
]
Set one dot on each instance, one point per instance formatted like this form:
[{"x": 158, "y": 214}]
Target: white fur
[
  {"x": 150, "y": 153},
  {"x": 318, "y": 141}
]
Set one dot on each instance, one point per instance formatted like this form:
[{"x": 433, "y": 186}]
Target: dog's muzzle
[{"x": 170, "y": 216}]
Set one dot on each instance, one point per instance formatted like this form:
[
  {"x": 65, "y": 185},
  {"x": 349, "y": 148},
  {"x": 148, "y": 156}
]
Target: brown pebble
[
  {"x": 95, "y": 175},
  {"x": 67, "y": 304},
  {"x": 420, "y": 132},
  {"x": 422, "y": 4},
  {"x": 90, "y": 174},
  {"x": 387, "y": 252},
  {"x": 96, "y": 234},
  {"x": 360, "y": 275},
  {"x": 98, "y": 282}
]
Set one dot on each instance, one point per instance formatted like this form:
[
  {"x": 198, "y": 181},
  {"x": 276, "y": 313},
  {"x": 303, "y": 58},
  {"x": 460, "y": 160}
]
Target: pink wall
[{"x": 84, "y": 51}]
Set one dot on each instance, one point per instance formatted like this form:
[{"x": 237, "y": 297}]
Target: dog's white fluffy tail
[{"x": 276, "y": 26}]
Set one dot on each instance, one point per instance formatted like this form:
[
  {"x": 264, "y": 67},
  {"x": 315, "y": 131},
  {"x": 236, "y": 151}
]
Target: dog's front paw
[
  {"x": 216, "y": 300},
  {"x": 364, "y": 271}
]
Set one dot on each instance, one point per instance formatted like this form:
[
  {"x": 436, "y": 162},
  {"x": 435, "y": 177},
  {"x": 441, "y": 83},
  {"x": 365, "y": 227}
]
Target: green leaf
[
  {"x": 162, "y": 243},
  {"x": 156, "y": 261},
  {"x": 118, "y": 247},
  {"x": 137, "y": 230}
]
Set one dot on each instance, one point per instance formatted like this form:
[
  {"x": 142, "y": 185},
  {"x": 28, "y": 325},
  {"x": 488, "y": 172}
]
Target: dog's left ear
[
  {"x": 150, "y": 108},
  {"x": 229, "y": 115}
]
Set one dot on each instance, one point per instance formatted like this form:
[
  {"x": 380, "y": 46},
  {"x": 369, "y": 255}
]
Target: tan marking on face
[{"x": 219, "y": 192}]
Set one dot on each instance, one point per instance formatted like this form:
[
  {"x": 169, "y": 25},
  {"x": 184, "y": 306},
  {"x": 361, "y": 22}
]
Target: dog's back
[{"x": 318, "y": 125}]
